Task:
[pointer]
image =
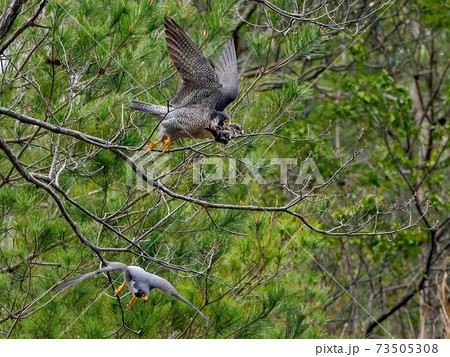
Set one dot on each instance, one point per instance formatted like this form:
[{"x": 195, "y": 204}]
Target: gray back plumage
[
  {"x": 200, "y": 82},
  {"x": 228, "y": 75}
]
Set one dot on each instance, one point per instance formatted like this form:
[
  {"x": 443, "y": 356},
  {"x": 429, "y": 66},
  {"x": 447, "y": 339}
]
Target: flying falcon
[
  {"x": 138, "y": 281},
  {"x": 196, "y": 110}
]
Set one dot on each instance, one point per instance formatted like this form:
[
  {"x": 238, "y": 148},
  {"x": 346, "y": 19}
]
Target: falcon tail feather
[{"x": 149, "y": 108}]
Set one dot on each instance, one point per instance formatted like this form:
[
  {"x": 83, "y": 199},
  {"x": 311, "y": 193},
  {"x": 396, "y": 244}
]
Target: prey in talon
[{"x": 227, "y": 132}]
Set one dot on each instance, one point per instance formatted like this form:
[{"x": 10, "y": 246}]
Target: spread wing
[
  {"x": 162, "y": 284},
  {"x": 228, "y": 75},
  {"x": 112, "y": 266},
  {"x": 200, "y": 82}
]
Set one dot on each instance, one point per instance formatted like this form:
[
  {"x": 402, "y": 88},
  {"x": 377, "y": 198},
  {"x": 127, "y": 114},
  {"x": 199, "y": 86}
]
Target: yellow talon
[
  {"x": 132, "y": 302},
  {"x": 166, "y": 146},
  {"x": 151, "y": 146},
  {"x": 120, "y": 288}
]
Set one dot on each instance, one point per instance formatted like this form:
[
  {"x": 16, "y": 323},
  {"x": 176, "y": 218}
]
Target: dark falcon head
[
  {"x": 142, "y": 290},
  {"x": 219, "y": 119}
]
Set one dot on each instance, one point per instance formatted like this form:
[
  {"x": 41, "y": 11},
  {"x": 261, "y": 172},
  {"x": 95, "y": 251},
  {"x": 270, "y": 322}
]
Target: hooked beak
[
  {"x": 226, "y": 121},
  {"x": 144, "y": 298}
]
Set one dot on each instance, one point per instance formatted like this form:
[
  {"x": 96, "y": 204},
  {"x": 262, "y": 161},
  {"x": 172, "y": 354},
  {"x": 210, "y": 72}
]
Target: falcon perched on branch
[
  {"x": 196, "y": 109},
  {"x": 139, "y": 283}
]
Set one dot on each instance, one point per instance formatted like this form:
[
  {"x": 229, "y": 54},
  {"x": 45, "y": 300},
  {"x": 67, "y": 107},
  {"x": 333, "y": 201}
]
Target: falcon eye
[{"x": 139, "y": 293}]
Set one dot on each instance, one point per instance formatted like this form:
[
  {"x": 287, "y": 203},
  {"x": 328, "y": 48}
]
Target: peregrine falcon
[
  {"x": 196, "y": 110},
  {"x": 138, "y": 281}
]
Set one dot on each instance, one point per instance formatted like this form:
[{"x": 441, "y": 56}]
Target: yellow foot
[
  {"x": 120, "y": 288},
  {"x": 151, "y": 146},
  {"x": 132, "y": 302},
  {"x": 166, "y": 146}
]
